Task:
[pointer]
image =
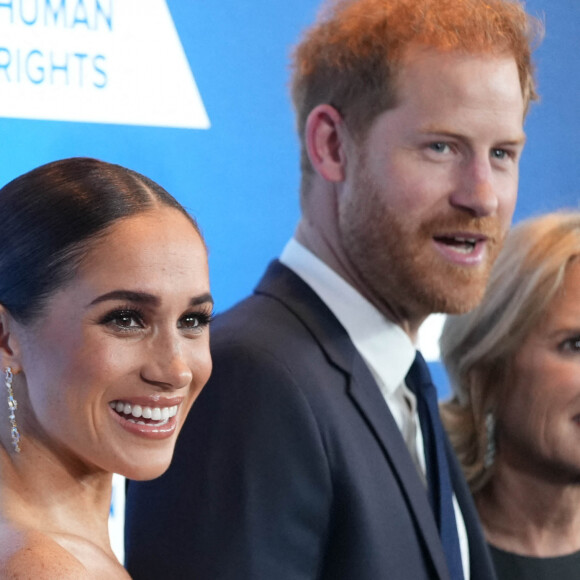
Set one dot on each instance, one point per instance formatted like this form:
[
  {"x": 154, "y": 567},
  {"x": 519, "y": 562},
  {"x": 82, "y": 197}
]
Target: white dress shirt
[{"x": 385, "y": 347}]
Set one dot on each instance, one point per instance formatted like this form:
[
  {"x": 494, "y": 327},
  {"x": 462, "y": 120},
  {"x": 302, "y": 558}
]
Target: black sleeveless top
[{"x": 510, "y": 566}]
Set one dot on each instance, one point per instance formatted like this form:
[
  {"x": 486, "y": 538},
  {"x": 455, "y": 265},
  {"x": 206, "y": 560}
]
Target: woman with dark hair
[
  {"x": 514, "y": 419},
  {"x": 104, "y": 345}
]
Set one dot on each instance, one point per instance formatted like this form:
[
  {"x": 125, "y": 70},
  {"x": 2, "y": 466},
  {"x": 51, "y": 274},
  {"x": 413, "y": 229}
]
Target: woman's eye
[
  {"x": 127, "y": 321},
  {"x": 194, "y": 321},
  {"x": 190, "y": 321},
  {"x": 124, "y": 319},
  {"x": 571, "y": 344}
]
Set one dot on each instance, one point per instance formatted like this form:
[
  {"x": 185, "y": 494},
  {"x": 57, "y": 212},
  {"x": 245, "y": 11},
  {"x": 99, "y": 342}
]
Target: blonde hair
[{"x": 478, "y": 347}]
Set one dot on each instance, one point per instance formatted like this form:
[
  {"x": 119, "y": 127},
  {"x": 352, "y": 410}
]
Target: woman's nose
[{"x": 166, "y": 364}]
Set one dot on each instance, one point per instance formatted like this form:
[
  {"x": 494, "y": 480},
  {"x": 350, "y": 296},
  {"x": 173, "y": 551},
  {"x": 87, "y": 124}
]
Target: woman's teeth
[{"x": 162, "y": 414}]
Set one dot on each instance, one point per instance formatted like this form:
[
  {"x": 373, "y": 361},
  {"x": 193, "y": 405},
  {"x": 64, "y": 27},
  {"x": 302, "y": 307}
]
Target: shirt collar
[{"x": 384, "y": 346}]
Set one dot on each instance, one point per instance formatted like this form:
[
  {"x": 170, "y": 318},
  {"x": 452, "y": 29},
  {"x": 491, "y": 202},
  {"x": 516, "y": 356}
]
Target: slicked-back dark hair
[{"x": 49, "y": 217}]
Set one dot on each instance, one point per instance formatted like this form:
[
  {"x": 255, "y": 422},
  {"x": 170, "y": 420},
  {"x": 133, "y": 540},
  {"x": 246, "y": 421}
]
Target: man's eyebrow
[
  {"x": 435, "y": 130},
  {"x": 519, "y": 141},
  {"x": 145, "y": 298}
]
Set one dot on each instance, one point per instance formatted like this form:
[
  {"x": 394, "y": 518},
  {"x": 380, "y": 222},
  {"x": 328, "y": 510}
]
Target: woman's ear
[
  {"x": 9, "y": 345},
  {"x": 325, "y": 133}
]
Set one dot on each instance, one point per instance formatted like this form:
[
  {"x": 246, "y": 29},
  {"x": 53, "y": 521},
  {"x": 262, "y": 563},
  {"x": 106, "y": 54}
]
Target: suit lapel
[
  {"x": 480, "y": 559},
  {"x": 368, "y": 398},
  {"x": 282, "y": 284}
]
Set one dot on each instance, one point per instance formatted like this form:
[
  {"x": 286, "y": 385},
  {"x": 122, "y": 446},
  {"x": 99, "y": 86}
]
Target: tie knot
[{"x": 418, "y": 375}]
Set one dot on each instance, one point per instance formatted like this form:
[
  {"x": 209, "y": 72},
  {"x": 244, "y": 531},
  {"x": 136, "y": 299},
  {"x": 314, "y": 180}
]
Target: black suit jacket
[{"x": 290, "y": 465}]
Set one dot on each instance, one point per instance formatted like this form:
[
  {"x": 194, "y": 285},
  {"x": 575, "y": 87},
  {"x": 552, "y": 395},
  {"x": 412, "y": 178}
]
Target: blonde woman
[{"x": 514, "y": 419}]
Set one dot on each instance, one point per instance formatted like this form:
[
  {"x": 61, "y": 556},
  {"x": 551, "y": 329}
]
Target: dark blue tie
[{"x": 440, "y": 489}]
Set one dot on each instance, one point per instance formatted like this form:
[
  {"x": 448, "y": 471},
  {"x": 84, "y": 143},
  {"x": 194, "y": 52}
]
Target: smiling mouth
[
  {"x": 142, "y": 415},
  {"x": 463, "y": 245}
]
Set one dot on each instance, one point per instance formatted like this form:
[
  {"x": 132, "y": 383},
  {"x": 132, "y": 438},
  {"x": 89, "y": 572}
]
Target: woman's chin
[{"x": 143, "y": 473}]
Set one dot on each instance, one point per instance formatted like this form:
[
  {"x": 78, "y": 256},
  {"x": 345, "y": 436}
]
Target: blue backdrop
[{"x": 240, "y": 176}]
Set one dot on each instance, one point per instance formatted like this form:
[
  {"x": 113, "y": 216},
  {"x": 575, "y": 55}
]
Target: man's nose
[{"x": 477, "y": 192}]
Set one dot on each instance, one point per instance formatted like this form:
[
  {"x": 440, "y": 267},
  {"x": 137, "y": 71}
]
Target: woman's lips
[{"x": 155, "y": 421}]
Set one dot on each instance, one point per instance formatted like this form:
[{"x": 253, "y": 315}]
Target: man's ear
[
  {"x": 9, "y": 345},
  {"x": 325, "y": 133}
]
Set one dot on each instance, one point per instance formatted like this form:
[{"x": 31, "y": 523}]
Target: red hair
[{"x": 349, "y": 57}]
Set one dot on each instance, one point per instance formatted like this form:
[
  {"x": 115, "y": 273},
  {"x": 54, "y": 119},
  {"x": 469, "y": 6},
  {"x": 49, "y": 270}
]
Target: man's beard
[{"x": 397, "y": 260}]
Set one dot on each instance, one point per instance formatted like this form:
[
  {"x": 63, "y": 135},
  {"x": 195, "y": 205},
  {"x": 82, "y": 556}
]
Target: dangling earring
[
  {"x": 489, "y": 456},
  {"x": 12, "y": 406}
]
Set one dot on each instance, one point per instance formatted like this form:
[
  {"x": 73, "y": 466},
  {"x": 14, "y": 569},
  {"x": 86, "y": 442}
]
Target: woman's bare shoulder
[{"x": 26, "y": 554}]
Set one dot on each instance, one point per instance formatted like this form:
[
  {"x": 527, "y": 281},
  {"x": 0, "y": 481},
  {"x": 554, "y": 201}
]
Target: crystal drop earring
[{"x": 12, "y": 406}]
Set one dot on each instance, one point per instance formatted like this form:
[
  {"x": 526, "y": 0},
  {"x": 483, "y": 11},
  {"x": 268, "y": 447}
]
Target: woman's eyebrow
[
  {"x": 146, "y": 298},
  {"x": 130, "y": 295},
  {"x": 201, "y": 299}
]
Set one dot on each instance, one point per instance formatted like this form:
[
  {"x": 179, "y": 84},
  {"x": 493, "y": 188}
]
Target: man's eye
[
  {"x": 499, "y": 153},
  {"x": 440, "y": 147}
]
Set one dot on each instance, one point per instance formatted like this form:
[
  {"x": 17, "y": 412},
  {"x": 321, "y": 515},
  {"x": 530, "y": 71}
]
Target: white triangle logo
[{"x": 96, "y": 61}]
